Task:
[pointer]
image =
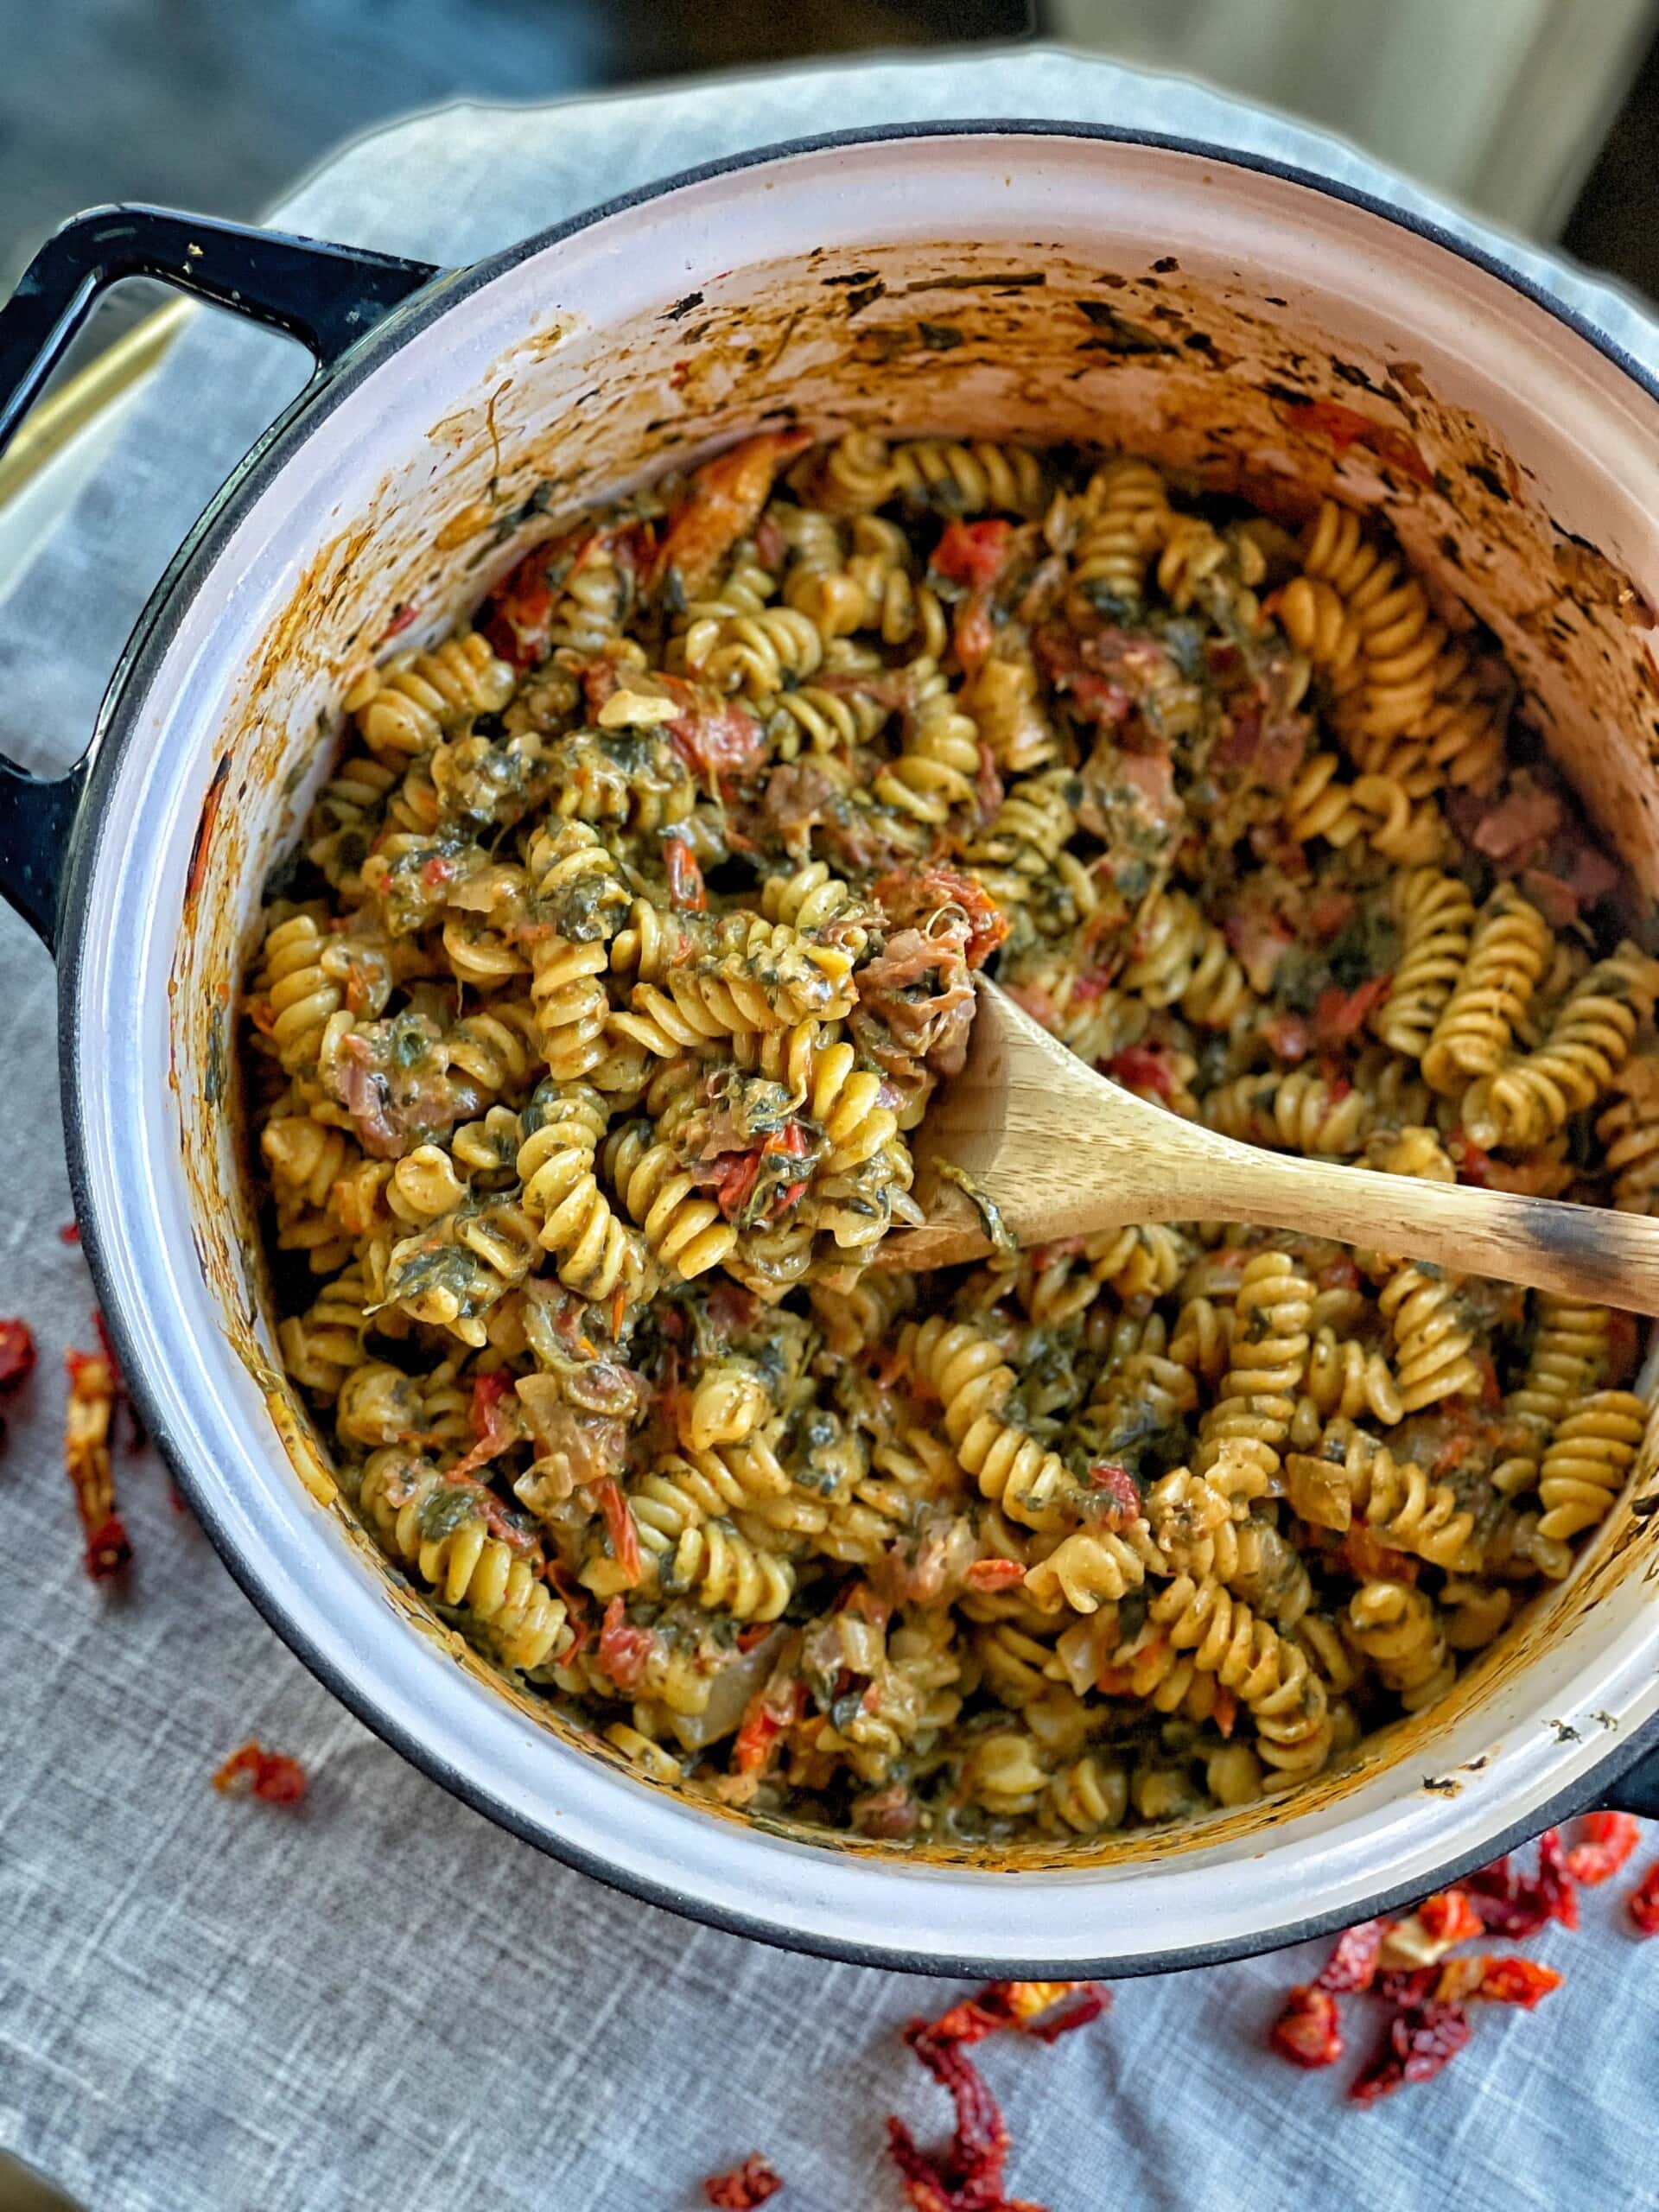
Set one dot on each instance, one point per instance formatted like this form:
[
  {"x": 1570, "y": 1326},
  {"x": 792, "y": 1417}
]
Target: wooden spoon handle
[{"x": 1577, "y": 1251}]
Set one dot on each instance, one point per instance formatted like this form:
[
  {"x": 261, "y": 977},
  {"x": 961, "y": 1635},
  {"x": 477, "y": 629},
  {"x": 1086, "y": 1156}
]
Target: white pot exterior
[{"x": 287, "y": 582}]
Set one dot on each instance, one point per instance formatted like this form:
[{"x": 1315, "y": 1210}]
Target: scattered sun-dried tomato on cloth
[
  {"x": 744, "y": 2187},
  {"x": 1413, "y": 1965},
  {"x": 966, "y": 2175},
  {"x": 17, "y": 1354},
  {"x": 253, "y": 1771},
  {"x": 87, "y": 1456}
]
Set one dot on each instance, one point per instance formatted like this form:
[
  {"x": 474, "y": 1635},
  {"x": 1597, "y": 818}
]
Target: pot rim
[{"x": 179, "y": 587}]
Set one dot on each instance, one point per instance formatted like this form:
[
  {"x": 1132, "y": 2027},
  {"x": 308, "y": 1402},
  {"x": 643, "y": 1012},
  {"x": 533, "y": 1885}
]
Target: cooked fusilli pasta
[{"x": 619, "y": 960}]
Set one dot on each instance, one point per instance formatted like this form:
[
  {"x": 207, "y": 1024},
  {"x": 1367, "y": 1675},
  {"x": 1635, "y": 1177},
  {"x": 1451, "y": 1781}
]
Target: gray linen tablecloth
[{"x": 379, "y": 2000}]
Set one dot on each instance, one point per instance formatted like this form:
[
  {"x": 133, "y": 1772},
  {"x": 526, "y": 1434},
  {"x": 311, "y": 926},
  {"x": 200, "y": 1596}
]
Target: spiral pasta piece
[
  {"x": 966, "y": 1371},
  {"x": 1126, "y": 518},
  {"x": 406, "y": 705},
  {"x": 1179, "y": 959},
  {"x": 1628, "y": 1132},
  {"x": 1396, "y": 1500},
  {"x": 1345, "y": 1381},
  {"x": 729, "y": 1574},
  {"x": 1268, "y": 1673},
  {"x": 1090, "y": 1795},
  {"x": 576, "y": 882},
  {"x": 1092, "y": 1565},
  {"x": 1436, "y": 917},
  {"x": 438, "y": 1528},
  {"x": 1433, "y": 1347},
  {"x": 1003, "y": 700},
  {"x": 936, "y": 770},
  {"x": 684, "y": 1232},
  {"x": 1588, "y": 1458},
  {"x": 1198, "y": 1534},
  {"x": 498, "y": 1050},
  {"x": 1300, "y": 1111},
  {"x": 755, "y": 654},
  {"x": 1510, "y": 948},
  {"x": 1569, "y": 1355},
  {"x": 1398, "y": 1629},
  {"x": 1374, "y": 808},
  {"x": 1240, "y": 1436},
  {"x": 344, "y": 820},
  {"x": 294, "y": 984},
  {"x": 595, "y": 1253},
  {"x": 1589, "y": 1040},
  {"x": 966, "y": 478},
  {"x": 1313, "y": 617},
  {"x": 322, "y": 1345}
]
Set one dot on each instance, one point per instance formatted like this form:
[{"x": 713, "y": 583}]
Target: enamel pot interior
[{"x": 1011, "y": 283}]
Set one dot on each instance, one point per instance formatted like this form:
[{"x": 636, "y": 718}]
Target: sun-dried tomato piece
[
  {"x": 743, "y": 2187},
  {"x": 994, "y": 1574},
  {"x": 771, "y": 1713},
  {"x": 1448, "y": 1917},
  {"x": 1144, "y": 1067},
  {"x": 1037, "y": 2008},
  {"x": 973, "y": 553},
  {"x": 87, "y": 1457},
  {"x": 1421, "y": 2040},
  {"x": 1505, "y": 1981},
  {"x": 1049, "y": 2009},
  {"x": 621, "y": 1528},
  {"x": 685, "y": 885},
  {"x": 722, "y": 501},
  {"x": 624, "y": 1653},
  {"x": 17, "y": 1353},
  {"x": 1339, "y": 1013},
  {"x": 1403, "y": 1986},
  {"x": 1606, "y": 1841},
  {"x": 1424, "y": 1937},
  {"x": 492, "y": 1426},
  {"x": 1308, "y": 2032},
  {"x": 1553, "y": 1881},
  {"x": 1352, "y": 1964},
  {"x": 1643, "y": 1902},
  {"x": 966, "y": 2175},
  {"x": 253, "y": 1771},
  {"x": 1119, "y": 1500}
]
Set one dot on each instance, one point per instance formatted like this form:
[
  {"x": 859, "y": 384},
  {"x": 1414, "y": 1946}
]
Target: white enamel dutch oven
[{"x": 1043, "y": 281}]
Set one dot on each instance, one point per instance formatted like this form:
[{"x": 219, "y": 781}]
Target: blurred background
[{"x": 1543, "y": 114}]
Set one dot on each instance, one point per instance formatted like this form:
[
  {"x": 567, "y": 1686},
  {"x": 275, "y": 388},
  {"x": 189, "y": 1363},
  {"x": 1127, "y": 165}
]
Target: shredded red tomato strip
[{"x": 619, "y": 1527}]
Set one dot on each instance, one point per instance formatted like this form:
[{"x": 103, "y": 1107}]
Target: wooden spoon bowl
[{"x": 1028, "y": 1145}]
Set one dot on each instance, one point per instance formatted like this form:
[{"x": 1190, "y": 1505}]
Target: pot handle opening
[{"x": 327, "y": 296}]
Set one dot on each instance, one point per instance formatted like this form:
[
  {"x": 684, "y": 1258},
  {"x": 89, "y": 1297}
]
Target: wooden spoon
[{"x": 1060, "y": 1151}]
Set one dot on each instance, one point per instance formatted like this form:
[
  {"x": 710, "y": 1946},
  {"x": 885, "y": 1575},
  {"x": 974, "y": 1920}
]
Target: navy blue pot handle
[{"x": 327, "y": 296}]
